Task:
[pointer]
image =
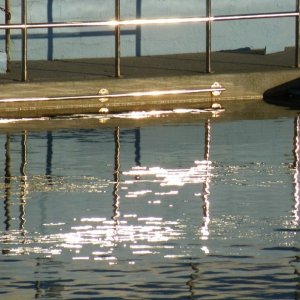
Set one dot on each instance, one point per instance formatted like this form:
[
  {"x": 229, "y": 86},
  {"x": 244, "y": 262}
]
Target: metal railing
[{"x": 118, "y": 23}]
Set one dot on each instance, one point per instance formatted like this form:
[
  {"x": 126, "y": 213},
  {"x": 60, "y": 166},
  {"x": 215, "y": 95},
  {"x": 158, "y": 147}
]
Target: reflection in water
[
  {"x": 49, "y": 157},
  {"x": 296, "y": 207},
  {"x": 194, "y": 277},
  {"x": 49, "y": 288},
  {"x": 170, "y": 177},
  {"x": 137, "y": 146},
  {"x": 116, "y": 197},
  {"x": 157, "y": 245},
  {"x": 7, "y": 183},
  {"x": 206, "y": 186},
  {"x": 23, "y": 184},
  {"x": 297, "y": 171}
]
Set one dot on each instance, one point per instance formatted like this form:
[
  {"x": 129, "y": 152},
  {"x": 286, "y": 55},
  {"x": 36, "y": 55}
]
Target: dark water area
[{"x": 204, "y": 206}]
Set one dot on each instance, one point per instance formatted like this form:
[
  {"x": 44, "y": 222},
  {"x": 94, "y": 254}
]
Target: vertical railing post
[
  {"x": 297, "y": 33},
  {"x": 138, "y": 30},
  {"x": 24, "y": 40},
  {"x": 7, "y": 34},
  {"x": 117, "y": 39},
  {"x": 208, "y": 37}
]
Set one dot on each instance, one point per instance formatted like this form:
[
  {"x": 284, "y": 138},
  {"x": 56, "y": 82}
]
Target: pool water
[{"x": 202, "y": 209}]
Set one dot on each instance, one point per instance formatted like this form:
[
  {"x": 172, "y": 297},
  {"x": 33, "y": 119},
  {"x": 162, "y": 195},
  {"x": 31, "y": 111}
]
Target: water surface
[{"x": 204, "y": 208}]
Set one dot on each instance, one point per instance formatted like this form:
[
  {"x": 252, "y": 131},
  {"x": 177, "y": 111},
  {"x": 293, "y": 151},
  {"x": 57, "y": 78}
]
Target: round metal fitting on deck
[
  {"x": 102, "y": 93},
  {"x": 217, "y": 86}
]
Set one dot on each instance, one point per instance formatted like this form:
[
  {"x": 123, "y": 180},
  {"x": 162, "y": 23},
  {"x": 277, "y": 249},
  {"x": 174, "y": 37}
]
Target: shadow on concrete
[
  {"x": 287, "y": 94},
  {"x": 246, "y": 50}
]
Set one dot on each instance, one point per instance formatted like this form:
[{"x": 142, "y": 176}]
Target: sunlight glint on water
[{"x": 203, "y": 210}]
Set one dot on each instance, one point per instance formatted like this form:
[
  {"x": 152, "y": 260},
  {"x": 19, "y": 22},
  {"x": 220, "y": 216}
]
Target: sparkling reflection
[
  {"x": 141, "y": 235},
  {"x": 189, "y": 222},
  {"x": 206, "y": 186},
  {"x": 297, "y": 171},
  {"x": 116, "y": 197},
  {"x": 23, "y": 184},
  {"x": 171, "y": 177}
]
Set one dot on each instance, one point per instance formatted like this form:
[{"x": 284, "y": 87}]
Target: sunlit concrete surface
[{"x": 243, "y": 74}]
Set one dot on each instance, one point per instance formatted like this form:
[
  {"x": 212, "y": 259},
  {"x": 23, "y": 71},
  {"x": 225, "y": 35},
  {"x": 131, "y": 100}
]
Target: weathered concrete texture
[{"x": 244, "y": 75}]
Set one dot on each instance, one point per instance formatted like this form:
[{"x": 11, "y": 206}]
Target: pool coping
[{"x": 243, "y": 76}]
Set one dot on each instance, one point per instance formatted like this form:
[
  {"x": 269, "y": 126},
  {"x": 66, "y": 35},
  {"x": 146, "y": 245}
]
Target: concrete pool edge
[
  {"x": 241, "y": 86},
  {"x": 252, "y": 80}
]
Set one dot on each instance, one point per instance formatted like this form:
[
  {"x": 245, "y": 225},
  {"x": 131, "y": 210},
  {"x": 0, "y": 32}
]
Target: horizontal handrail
[
  {"x": 256, "y": 16},
  {"x": 216, "y": 89},
  {"x": 137, "y": 22}
]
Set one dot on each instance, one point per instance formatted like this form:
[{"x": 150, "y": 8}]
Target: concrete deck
[{"x": 244, "y": 75}]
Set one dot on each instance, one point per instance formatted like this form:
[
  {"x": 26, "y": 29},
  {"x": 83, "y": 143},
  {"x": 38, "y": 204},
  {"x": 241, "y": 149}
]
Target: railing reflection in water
[
  {"x": 49, "y": 157},
  {"x": 7, "y": 183},
  {"x": 116, "y": 197},
  {"x": 136, "y": 173},
  {"x": 23, "y": 183},
  {"x": 296, "y": 208},
  {"x": 206, "y": 186}
]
